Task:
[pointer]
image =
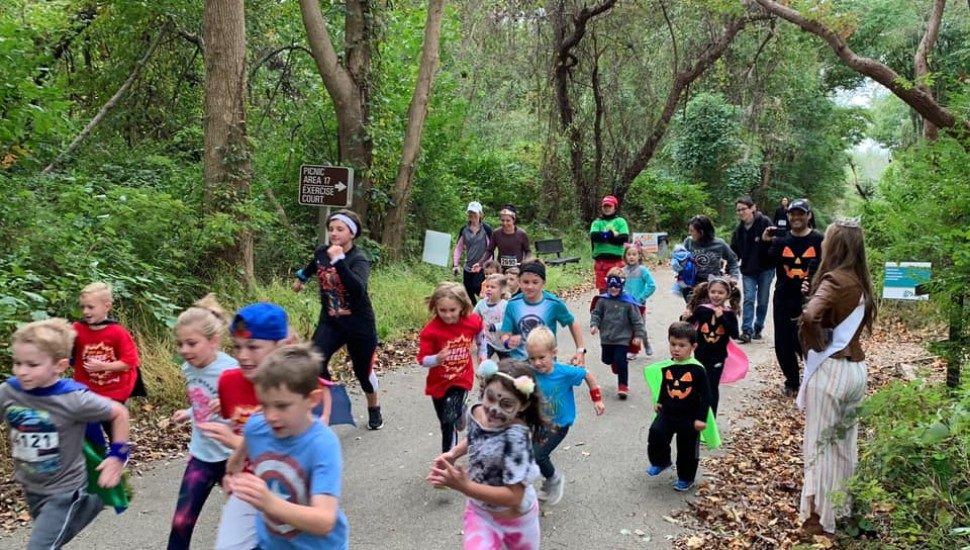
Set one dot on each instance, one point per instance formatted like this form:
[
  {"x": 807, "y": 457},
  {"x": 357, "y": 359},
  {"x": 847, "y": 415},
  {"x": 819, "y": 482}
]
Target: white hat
[{"x": 475, "y": 207}]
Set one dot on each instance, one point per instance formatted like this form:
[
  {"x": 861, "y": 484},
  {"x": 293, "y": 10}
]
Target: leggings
[
  {"x": 615, "y": 356},
  {"x": 549, "y": 439},
  {"x": 197, "y": 482},
  {"x": 449, "y": 408},
  {"x": 328, "y": 339},
  {"x": 483, "y": 531}
]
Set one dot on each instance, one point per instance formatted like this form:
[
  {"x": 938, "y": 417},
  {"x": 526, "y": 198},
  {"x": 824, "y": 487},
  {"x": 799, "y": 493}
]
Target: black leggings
[
  {"x": 449, "y": 408},
  {"x": 328, "y": 339},
  {"x": 473, "y": 284}
]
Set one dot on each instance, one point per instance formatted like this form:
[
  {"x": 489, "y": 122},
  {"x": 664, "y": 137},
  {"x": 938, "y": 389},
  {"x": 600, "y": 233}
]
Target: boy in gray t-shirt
[{"x": 47, "y": 417}]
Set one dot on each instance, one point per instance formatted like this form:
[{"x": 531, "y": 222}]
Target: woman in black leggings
[{"x": 346, "y": 314}]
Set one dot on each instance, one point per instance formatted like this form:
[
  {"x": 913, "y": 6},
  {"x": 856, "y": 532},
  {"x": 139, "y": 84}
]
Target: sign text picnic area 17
[{"x": 326, "y": 185}]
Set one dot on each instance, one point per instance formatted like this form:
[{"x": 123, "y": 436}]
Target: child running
[
  {"x": 47, "y": 416},
  {"x": 512, "y": 279},
  {"x": 256, "y": 330},
  {"x": 682, "y": 406},
  {"x": 502, "y": 510},
  {"x": 536, "y": 307},
  {"x": 492, "y": 311},
  {"x": 639, "y": 284},
  {"x": 295, "y": 479},
  {"x": 444, "y": 349},
  {"x": 615, "y": 316},
  {"x": 556, "y": 382},
  {"x": 198, "y": 333},
  {"x": 712, "y": 309},
  {"x": 491, "y": 267},
  {"x": 105, "y": 356}
]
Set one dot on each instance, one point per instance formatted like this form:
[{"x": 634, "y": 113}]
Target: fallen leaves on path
[{"x": 750, "y": 497}]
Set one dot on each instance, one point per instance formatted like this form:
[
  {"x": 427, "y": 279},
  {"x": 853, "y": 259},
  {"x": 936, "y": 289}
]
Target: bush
[{"x": 913, "y": 479}]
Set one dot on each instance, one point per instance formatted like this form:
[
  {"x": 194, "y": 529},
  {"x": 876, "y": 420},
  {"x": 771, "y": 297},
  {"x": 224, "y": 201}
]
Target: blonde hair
[
  {"x": 205, "y": 315},
  {"x": 454, "y": 291},
  {"x": 294, "y": 367},
  {"x": 500, "y": 281},
  {"x": 616, "y": 272},
  {"x": 55, "y": 337},
  {"x": 541, "y": 336},
  {"x": 99, "y": 289}
]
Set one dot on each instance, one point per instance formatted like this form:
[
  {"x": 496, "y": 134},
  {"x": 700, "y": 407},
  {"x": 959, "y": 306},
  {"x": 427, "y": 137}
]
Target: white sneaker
[
  {"x": 631, "y": 356},
  {"x": 543, "y": 492},
  {"x": 557, "y": 484}
]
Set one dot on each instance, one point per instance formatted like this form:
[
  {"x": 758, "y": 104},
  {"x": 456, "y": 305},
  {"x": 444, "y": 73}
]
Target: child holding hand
[
  {"x": 444, "y": 349},
  {"x": 502, "y": 510},
  {"x": 615, "y": 316},
  {"x": 556, "y": 381}
]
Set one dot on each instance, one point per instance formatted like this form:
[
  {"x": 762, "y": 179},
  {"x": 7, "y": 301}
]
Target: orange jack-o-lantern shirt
[{"x": 684, "y": 392}]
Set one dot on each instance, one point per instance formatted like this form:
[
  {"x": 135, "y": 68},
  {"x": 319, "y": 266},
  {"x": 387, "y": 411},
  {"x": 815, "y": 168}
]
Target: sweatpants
[
  {"x": 329, "y": 338},
  {"x": 549, "y": 439},
  {"x": 615, "y": 356},
  {"x": 449, "y": 409},
  {"x": 197, "y": 482},
  {"x": 473, "y": 284},
  {"x": 786, "y": 344},
  {"x": 714, "y": 372},
  {"x": 483, "y": 531},
  {"x": 59, "y": 518},
  {"x": 237, "y": 526},
  {"x": 662, "y": 432}
]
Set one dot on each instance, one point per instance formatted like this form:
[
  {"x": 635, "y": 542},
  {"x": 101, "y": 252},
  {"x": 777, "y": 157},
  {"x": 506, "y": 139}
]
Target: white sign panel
[
  {"x": 900, "y": 280},
  {"x": 437, "y": 248}
]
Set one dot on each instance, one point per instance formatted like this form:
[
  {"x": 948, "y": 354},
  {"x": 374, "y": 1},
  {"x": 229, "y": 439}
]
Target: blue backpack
[{"x": 688, "y": 271}]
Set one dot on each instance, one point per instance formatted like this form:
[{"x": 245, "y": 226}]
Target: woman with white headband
[
  {"x": 346, "y": 315},
  {"x": 511, "y": 242}
]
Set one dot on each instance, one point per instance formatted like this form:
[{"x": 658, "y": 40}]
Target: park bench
[{"x": 554, "y": 246}]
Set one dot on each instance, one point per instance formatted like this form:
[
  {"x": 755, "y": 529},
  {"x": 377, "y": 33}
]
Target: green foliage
[
  {"x": 912, "y": 483},
  {"x": 922, "y": 212},
  {"x": 659, "y": 202}
]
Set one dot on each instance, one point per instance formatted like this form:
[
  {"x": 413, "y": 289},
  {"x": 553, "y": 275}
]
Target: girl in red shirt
[{"x": 444, "y": 348}]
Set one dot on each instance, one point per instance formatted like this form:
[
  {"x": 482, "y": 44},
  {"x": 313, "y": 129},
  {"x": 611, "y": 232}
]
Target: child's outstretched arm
[
  {"x": 446, "y": 474},
  {"x": 112, "y": 466},
  {"x": 595, "y": 393}
]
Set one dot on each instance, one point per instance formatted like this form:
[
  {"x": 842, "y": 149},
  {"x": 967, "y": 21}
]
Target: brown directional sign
[{"x": 326, "y": 185}]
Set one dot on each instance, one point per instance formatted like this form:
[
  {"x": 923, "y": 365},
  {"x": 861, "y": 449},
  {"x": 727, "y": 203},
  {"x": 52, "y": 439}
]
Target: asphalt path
[{"x": 609, "y": 502}]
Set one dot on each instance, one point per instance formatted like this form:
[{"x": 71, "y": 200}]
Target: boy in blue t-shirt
[
  {"x": 536, "y": 307},
  {"x": 295, "y": 461},
  {"x": 556, "y": 382}
]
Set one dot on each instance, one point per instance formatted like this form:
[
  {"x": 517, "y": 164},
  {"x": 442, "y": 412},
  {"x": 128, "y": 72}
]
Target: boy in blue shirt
[
  {"x": 295, "y": 460},
  {"x": 556, "y": 382}
]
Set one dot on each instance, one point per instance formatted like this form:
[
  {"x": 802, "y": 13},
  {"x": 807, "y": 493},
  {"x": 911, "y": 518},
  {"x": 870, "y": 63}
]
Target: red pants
[{"x": 601, "y": 268}]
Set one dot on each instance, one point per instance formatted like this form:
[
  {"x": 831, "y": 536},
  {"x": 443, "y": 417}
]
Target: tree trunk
[
  {"x": 918, "y": 98},
  {"x": 349, "y": 88},
  {"x": 921, "y": 62},
  {"x": 226, "y": 168},
  {"x": 396, "y": 223}
]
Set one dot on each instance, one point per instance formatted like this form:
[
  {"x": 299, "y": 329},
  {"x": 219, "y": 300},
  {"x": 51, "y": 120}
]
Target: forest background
[{"x": 156, "y": 146}]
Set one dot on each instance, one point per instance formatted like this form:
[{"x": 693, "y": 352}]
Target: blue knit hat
[{"x": 260, "y": 321}]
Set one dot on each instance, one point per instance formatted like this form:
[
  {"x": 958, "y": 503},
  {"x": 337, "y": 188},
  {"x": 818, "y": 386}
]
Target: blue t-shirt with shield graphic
[
  {"x": 522, "y": 316},
  {"x": 557, "y": 391}
]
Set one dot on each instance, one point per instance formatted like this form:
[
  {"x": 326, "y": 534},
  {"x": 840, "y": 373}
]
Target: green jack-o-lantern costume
[{"x": 654, "y": 373}]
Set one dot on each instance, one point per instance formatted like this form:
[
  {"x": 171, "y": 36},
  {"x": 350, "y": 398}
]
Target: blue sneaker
[
  {"x": 654, "y": 471},
  {"x": 682, "y": 485}
]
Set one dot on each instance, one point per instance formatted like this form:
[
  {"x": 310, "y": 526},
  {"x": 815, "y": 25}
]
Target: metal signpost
[{"x": 327, "y": 187}]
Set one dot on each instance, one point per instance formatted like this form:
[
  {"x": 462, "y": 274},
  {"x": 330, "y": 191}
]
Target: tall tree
[
  {"x": 394, "y": 229},
  {"x": 226, "y": 166},
  {"x": 348, "y": 84}
]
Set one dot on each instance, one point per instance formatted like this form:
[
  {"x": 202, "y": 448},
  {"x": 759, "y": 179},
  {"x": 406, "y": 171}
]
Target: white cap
[{"x": 475, "y": 207}]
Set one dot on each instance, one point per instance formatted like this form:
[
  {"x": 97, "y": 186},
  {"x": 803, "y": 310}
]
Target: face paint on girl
[{"x": 502, "y": 406}]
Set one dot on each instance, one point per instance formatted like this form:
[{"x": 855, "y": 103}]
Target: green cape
[
  {"x": 653, "y": 374},
  {"x": 117, "y": 497}
]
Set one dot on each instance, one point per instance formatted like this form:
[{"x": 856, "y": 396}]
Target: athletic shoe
[
  {"x": 631, "y": 356},
  {"x": 745, "y": 337},
  {"x": 557, "y": 485},
  {"x": 682, "y": 485},
  {"x": 758, "y": 336},
  {"x": 374, "y": 421},
  {"x": 791, "y": 392},
  {"x": 622, "y": 391},
  {"x": 654, "y": 471},
  {"x": 543, "y": 492},
  {"x": 647, "y": 350}
]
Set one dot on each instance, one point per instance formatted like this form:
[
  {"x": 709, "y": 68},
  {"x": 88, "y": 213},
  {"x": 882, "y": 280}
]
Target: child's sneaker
[
  {"x": 622, "y": 391},
  {"x": 647, "y": 350},
  {"x": 555, "y": 488},
  {"x": 682, "y": 485},
  {"x": 631, "y": 356},
  {"x": 654, "y": 471},
  {"x": 374, "y": 421}
]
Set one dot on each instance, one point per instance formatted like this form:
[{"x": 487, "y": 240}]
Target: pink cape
[{"x": 736, "y": 364}]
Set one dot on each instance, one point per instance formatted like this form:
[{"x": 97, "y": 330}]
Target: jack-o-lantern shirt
[
  {"x": 796, "y": 259},
  {"x": 684, "y": 392},
  {"x": 713, "y": 333}
]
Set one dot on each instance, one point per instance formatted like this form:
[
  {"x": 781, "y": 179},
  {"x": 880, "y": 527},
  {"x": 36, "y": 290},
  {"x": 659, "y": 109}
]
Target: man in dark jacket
[{"x": 757, "y": 268}]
